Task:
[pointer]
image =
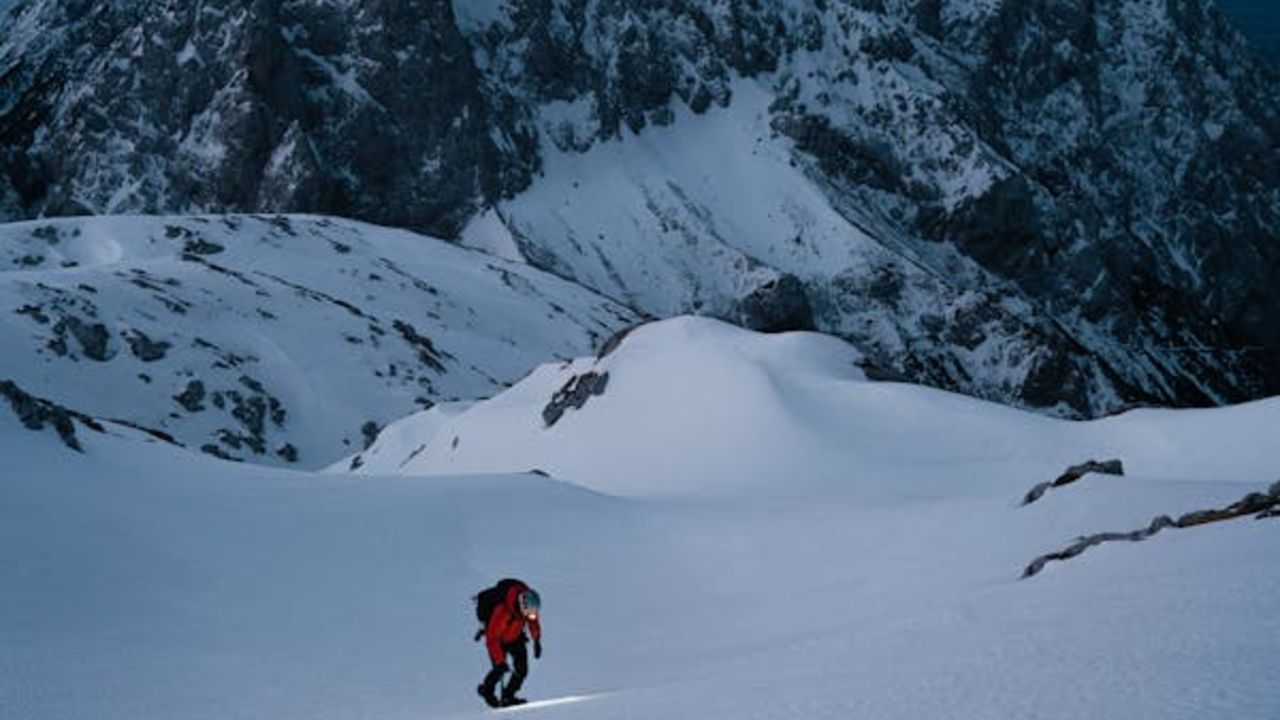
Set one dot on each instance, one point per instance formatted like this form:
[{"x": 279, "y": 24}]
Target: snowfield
[{"x": 734, "y": 526}]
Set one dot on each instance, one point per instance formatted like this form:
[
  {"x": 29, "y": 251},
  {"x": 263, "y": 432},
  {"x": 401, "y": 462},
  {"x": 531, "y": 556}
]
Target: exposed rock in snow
[
  {"x": 273, "y": 338},
  {"x": 36, "y": 412},
  {"x": 1085, "y": 542},
  {"x": 1260, "y": 505},
  {"x": 778, "y": 305},
  {"x": 1250, "y": 504},
  {"x": 574, "y": 394},
  {"x": 1074, "y": 473}
]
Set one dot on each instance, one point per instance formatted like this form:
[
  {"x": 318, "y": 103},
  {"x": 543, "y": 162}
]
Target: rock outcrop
[
  {"x": 1072, "y": 474},
  {"x": 1260, "y": 505},
  {"x": 574, "y": 395},
  {"x": 35, "y": 413}
]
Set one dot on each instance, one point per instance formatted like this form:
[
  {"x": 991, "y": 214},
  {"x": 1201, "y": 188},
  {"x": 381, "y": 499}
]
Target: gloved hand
[
  {"x": 537, "y": 648},
  {"x": 501, "y": 668}
]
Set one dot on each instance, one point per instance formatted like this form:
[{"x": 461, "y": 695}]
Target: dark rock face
[
  {"x": 146, "y": 349},
  {"x": 1074, "y": 473},
  {"x": 1084, "y": 543},
  {"x": 777, "y": 306},
  {"x": 629, "y": 59},
  {"x": 1094, "y": 187},
  {"x": 192, "y": 398},
  {"x": 1251, "y": 504},
  {"x": 36, "y": 412},
  {"x": 1123, "y": 134},
  {"x": 575, "y": 393},
  {"x": 427, "y": 352},
  {"x": 370, "y": 431},
  {"x": 92, "y": 338},
  {"x": 369, "y": 109}
]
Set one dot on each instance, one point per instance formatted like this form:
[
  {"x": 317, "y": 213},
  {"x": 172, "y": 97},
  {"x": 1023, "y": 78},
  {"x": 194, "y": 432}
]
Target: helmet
[{"x": 529, "y": 603}]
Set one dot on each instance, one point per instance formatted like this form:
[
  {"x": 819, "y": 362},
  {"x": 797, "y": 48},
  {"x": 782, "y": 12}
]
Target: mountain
[
  {"x": 142, "y": 580},
  {"x": 276, "y": 339},
  {"x": 1067, "y": 205}
]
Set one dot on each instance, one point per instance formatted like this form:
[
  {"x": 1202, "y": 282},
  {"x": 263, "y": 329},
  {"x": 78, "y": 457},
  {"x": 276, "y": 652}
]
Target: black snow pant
[{"x": 519, "y": 653}]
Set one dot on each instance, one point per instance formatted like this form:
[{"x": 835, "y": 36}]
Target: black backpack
[{"x": 487, "y": 600}]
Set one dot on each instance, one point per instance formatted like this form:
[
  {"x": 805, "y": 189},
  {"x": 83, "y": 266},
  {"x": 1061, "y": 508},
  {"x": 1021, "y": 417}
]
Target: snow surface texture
[
  {"x": 273, "y": 338},
  {"x": 146, "y": 581}
]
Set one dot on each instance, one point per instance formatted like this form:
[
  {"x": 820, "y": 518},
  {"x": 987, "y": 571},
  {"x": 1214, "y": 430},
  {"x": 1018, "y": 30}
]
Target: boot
[
  {"x": 489, "y": 698},
  {"x": 510, "y": 700}
]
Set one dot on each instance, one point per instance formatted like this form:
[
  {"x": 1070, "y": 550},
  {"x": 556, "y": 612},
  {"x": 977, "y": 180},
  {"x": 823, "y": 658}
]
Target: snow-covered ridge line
[
  {"x": 694, "y": 406},
  {"x": 273, "y": 338}
]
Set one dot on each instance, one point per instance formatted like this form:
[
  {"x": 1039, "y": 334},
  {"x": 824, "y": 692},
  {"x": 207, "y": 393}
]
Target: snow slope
[
  {"x": 676, "y": 217},
  {"x": 146, "y": 581},
  {"x": 703, "y": 214},
  {"x": 249, "y": 335}
]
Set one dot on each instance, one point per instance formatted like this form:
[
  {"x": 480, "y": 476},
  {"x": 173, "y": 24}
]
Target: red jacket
[{"x": 506, "y": 625}]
